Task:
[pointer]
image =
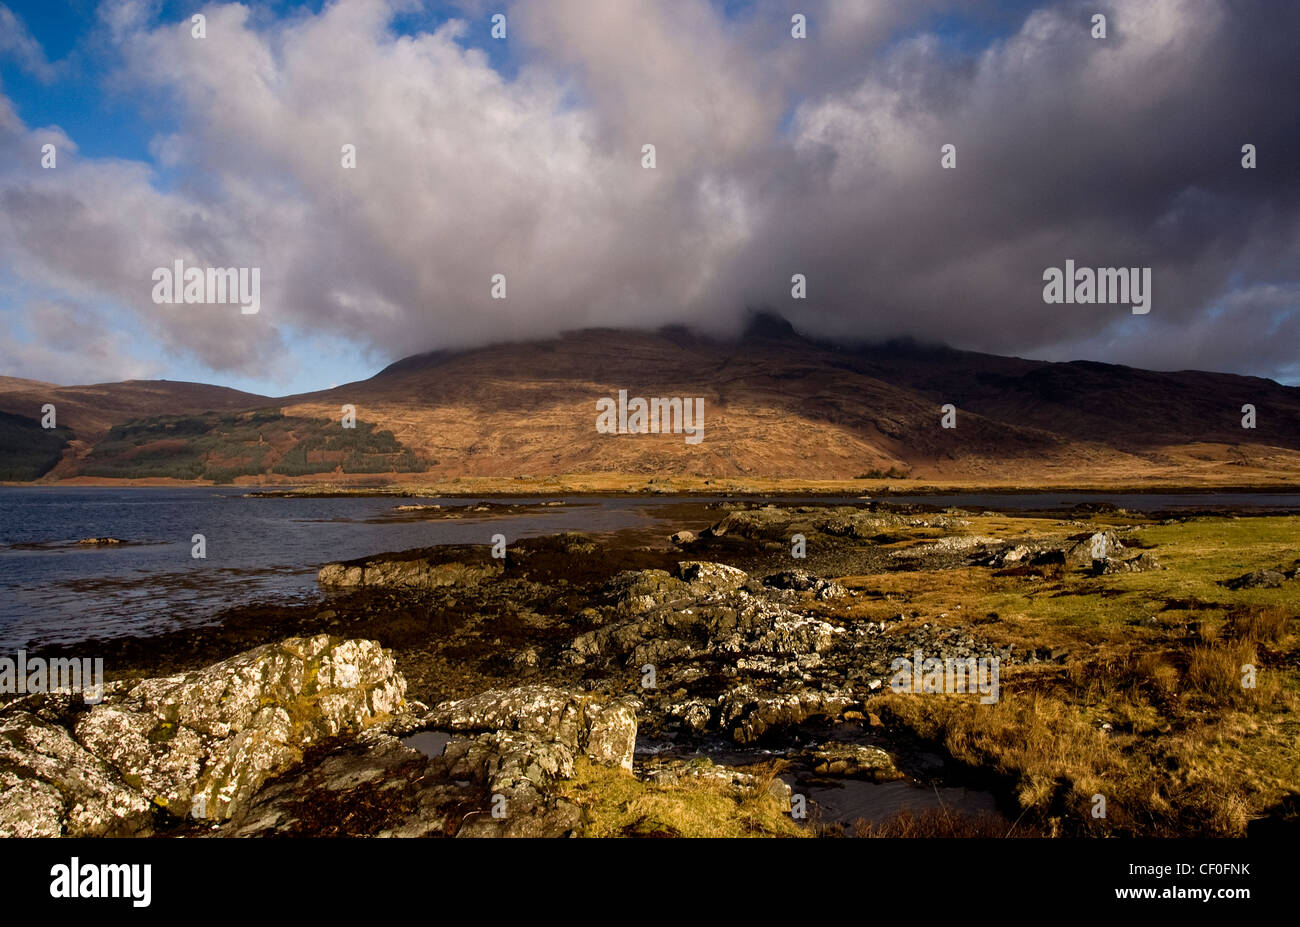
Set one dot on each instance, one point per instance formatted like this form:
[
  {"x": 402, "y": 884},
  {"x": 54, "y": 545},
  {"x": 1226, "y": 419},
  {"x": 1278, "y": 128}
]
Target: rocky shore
[{"x": 712, "y": 680}]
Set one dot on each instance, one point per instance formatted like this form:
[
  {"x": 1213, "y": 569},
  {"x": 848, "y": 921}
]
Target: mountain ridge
[{"x": 777, "y": 404}]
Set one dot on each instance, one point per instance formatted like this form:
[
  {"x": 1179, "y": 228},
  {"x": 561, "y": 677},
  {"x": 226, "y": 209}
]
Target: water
[
  {"x": 258, "y": 549},
  {"x": 846, "y": 801},
  {"x": 269, "y": 549}
]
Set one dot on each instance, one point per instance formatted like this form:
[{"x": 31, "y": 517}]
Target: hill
[{"x": 776, "y": 405}]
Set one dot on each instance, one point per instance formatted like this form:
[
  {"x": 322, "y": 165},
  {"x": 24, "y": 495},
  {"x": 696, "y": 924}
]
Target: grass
[
  {"x": 1148, "y": 707},
  {"x": 617, "y": 804},
  {"x": 223, "y": 448}
]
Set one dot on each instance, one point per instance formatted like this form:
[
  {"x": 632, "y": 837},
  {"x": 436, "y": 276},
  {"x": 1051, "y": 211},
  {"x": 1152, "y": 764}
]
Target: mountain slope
[{"x": 776, "y": 405}]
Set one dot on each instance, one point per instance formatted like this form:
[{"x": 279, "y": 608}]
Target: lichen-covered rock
[
  {"x": 705, "y": 578},
  {"x": 51, "y": 786},
  {"x": 202, "y": 743},
  {"x": 1139, "y": 564},
  {"x": 694, "y": 714},
  {"x": 1257, "y": 579},
  {"x": 753, "y": 714},
  {"x": 1100, "y": 546},
  {"x": 855, "y": 761},
  {"x": 516, "y": 742},
  {"x": 803, "y": 581},
  {"x": 404, "y": 573},
  {"x": 603, "y": 729}
]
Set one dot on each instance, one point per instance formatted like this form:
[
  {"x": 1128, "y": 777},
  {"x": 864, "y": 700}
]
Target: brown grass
[
  {"x": 1261, "y": 625},
  {"x": 938, "y": 822}
]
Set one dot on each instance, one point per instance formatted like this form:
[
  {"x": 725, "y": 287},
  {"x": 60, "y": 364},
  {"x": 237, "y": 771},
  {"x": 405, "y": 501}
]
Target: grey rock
[
  {"x": 202, "y": 743},
  {"x": 1257, "y": 579},
  {"x": 51, "y": 786}
]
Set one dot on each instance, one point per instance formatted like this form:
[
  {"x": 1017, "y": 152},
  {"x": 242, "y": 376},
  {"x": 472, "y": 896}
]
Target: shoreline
[{"x": 506, "y": 487}]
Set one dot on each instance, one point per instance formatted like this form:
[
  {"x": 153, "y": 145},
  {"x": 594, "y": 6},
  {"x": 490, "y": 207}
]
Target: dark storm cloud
[{"x": 775, "y": 156}]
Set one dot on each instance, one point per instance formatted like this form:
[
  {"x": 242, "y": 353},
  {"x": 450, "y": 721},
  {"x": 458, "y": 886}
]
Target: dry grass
[
  {"x": 1151, "y": 707},
  {"x": 616, "y": 804},
  {"x": 937, "y": 822},
  {"x": 1261, "y": 625}
]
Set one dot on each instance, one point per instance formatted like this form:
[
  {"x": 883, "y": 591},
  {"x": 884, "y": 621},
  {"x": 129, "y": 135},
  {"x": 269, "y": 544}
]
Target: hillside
[{"x": 776, "y": 405}]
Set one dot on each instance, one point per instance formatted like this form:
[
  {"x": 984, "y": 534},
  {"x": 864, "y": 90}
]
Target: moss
[{"x": 616, "y": 804}]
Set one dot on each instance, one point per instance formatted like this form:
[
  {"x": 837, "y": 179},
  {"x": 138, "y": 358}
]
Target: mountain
[{"x": 776, "y": 405}]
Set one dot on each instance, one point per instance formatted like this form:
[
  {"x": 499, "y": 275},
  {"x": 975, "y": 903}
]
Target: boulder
[
  {"x": 202, "y": 743},
  {"x": 1100, "y": 546},
  {"x": 1257, "y": 579},
  {"x": 51, "y": 786},
  {"x": 754, "y": 714},
  {"x": 803, "y": 581},
  {"x": 404, "y": 573},
  {"x": 705, "y": 578},
  {"x": 602, "y": 729},
  {"x": 1139, "y": 564},
  {"x": 514, "y": 743},
  {"x": 855, "y": 761}
]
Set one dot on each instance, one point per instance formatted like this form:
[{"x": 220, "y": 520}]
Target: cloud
[
  {"x": 68, "y": 343},
  {"x": 775, "y": 156},
  {"x": 17, "y": 43}
]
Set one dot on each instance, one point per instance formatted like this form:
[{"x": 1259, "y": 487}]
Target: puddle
[
  {"x": 838, "y": 800},
  {"x": 430, "y": 743},
  {"x": 845, "y": 801}
]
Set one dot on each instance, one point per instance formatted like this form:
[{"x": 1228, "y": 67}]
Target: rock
[
  {"x": 828, "y": 589},
  {"x": 1257, "y": 579},
  {"x": 526, "y": 658},
  {"x": 202, "y": 743},
  {"x": 684, "y": 538},
  {"x": 603, "y": 729},
  {"x": 796, "y": 635},
  {"x": 1139, "y": 564},
  {"x": 799, "y": 580},
  {"x": 1102, "y": 545},
  {"x": 705, "y": 578},
  {"x": 100, "y": 542},
  {"x": 640, "y": 591},
  {"x": 754, "y": 715},
  {"x": 803, "y": 581},
  {"x": 51, "y": 786},
  {"x": 516, "y": 742},
  {"x": 695, "y": 715},
  {"x": 374, "y": 786},
  {"x": 855, "y": 761},
  {"x": 1015, "y": 554},
  {"x": 405, "y": 572},
  {"x": 494, "y": 776}
]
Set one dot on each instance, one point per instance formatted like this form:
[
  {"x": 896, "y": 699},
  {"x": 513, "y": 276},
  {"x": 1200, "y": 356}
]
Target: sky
[{"x": 523, "y": 156}]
